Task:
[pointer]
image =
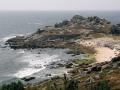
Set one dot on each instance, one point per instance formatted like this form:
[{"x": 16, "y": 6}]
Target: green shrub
[
  {"x": 102, "y": 85},
  {"x": 66, "y": 85},
  {"x": 13, "y": 86}
]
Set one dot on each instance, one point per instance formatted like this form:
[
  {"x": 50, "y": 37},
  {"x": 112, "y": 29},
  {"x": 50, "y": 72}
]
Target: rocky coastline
[
  {"x": 82, "y": 35},
  {"x": 62, "y": 33}
]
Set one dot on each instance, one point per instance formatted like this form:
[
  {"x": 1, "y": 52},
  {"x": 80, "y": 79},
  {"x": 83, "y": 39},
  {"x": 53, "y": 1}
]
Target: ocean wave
[
  {"x": 4, "y": 39},
  {"x": 21, "y": 51},
  {"x": 36, "y": 63},
  {"x": 27, "y": 72}
]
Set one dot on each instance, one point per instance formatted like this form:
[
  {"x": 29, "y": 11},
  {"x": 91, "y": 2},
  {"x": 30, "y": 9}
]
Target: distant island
[{"x": 97, "y": 38}]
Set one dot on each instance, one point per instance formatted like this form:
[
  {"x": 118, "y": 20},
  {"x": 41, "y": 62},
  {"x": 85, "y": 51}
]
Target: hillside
[
  {"x": 96, "y": 38},
  {"x": 65, "y": 32}
]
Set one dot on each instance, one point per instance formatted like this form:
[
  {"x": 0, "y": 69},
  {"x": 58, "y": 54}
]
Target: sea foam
[{"x": 36, "y": 63}]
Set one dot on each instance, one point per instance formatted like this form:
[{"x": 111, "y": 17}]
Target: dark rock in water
[
  {"x": 69, "y": 52},
  {"x": 60, "y": 64},
  {"x": 39, "y": 53},
  {"x": 48, "y": 75},
  {"x": 28, "y": 78},
  {"x": 69, "y": 65}
]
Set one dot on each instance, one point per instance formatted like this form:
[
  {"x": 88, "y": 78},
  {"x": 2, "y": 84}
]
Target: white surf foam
[
  {"x": 36, "y": 63},
  {"x": 21, "y": 51},
  {"x": 27, "y": 72},
  {"x": 4, "y": 39}
]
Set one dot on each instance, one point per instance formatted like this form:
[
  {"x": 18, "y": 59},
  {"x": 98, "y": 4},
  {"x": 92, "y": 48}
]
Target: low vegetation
[
  {"x": 88, "y": 59},
  {"x": 107, "y": 78},
  {"x": 77, "y": 48},
  {"x": 13, "y": 86}
]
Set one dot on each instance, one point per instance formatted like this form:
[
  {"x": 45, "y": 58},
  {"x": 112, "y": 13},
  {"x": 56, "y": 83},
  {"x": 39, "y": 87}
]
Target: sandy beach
[
  {"x": 105, "y": 54},
  {"x": 105, "y": 48}
]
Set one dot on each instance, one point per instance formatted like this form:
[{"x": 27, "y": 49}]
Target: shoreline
[
  {"x": 101, "y": 52},
  {"x": 81, "y": 35},
  {"x": 105, "y": 54},
  {"x": 36, "y": 57},
  {"x": 105, "y": 48}
]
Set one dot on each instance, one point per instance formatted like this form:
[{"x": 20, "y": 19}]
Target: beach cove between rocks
[{"x": 93, "y": 37}]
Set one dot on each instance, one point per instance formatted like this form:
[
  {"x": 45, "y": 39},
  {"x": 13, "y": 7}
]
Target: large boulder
[{"x": 116, "y": 29}]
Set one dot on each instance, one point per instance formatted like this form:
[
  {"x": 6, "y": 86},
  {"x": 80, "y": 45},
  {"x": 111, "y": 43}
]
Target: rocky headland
[
  {"x": 95, "y": 37},
  {"x": 62, "y": 33},
  {"x": 79, "y": 34}
]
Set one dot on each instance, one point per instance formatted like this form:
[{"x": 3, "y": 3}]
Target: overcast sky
[{"x": 59, "y": 4}]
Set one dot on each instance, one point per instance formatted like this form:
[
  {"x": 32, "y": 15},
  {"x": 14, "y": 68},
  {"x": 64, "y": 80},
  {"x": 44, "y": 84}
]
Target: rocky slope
[
  {"x": 63, "y": 33},
  {"x": 79, "y": 34},
  {"x": 99, "y": 76}
]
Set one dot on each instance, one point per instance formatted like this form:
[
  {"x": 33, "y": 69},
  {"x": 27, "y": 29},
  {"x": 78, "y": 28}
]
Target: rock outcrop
[
  {"x": 61, "y": 34},
  {"x": 92, "y": 23},
  {"x": 116, "y": 29}
]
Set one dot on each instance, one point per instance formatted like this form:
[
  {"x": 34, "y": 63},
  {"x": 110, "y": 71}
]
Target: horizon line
[{"x": 59, "y": 10}]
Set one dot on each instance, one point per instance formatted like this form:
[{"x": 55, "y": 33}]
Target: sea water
[{"x": 21, "y": 63}]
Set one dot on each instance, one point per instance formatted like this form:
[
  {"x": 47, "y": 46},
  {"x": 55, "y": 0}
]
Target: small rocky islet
[{"x": 88, "y": 74}]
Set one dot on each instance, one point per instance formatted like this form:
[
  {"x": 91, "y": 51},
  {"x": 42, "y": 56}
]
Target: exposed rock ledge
[{"x": 63, "y": 33}]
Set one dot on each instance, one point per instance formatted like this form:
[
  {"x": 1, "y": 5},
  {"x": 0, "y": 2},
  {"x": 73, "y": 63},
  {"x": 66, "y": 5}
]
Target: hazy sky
[{"x": 59, "y": 4}]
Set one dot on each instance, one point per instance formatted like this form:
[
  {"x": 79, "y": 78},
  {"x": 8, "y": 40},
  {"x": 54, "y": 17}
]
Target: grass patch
[
  {"x": 88, "y": 59},
  {"x": 80, "y": 48}
]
